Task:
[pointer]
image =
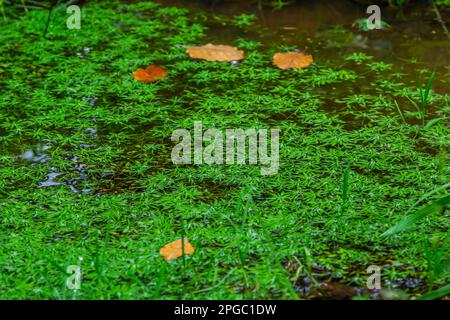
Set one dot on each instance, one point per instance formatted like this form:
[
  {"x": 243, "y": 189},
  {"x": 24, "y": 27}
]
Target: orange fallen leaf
[
  {"x": 174, "y": 249},
  {"x": 149, "y": 74},
  {"x": 295, "y": 60},
  {"x": 213, "y": 52}
]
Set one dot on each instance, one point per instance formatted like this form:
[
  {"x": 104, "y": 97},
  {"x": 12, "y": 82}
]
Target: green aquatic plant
[
  {"x": 279, "y": 4},
  {"x": 70, "y": 108},
  {"x": 379, "y": 66},
  {"x": 358, "y": 57},
  {"x": 244, "y": 20}
]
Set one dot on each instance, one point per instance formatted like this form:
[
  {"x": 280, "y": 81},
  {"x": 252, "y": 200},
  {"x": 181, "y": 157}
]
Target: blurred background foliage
[{"x": 13, "y": 8}]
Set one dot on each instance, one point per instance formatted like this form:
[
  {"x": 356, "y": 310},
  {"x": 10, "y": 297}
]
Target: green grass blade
[
  {"x": 414, "y": 103},
  {"x": 345, "y": 186},
  {"x": 432, "y": 122},
  {"x": 436, "y": 294},
  {"x": 410, "y": 220},
  {"x": 426, "y": 195},
  {"x": 400, "y": 112},
  {"x": 428, "y": 88},
  {"x": 421, "y": 89},
  {"x": 159, "y": 281},
  {"x": 424, "y": 95},
  {"x": 2, "y": 9}
]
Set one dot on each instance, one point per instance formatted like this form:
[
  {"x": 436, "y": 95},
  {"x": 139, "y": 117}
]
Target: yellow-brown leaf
[
  {"x": 294, "y": 60},
  {"x": 212, "y": 52},
  {"x": 149, "y": 74},
  {"x": 174, "y": 250}
]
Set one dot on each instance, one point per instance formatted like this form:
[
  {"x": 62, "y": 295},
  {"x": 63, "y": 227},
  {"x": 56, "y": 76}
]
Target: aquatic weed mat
[{"x": 87, "y": 177}]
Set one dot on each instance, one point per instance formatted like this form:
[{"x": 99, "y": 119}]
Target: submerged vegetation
[{"x": 87, "y": 177}]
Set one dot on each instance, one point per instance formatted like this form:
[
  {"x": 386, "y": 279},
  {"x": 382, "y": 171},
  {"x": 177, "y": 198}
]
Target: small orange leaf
[
  {"x": 149, "y": 74},
  {"x": 295, "y": 60},
  {"x": 174, "y": 249},
  {"x": 213, "y": 52}
]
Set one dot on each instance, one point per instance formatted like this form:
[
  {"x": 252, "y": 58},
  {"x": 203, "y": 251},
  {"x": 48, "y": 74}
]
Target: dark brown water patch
[
  {"x": 423, "y": 146},
  {"x": 321, "y": 284},
  {"x": 115, "y": 183},
  {"x": 214, "y": 191}
]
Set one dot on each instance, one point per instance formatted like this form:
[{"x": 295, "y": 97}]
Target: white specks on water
[
  {"x": 91, "y": 131},
  {"x": 84, "y": 51},
  {"x": 36, "y": 156},
  {"x": 91, "y": 100},
  {"x": 51, "y": 180},
  {"x": 28, "y": 155}
]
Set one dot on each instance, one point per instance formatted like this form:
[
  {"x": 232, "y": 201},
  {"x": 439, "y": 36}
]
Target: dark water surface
[{"x": 415, "y": 40}]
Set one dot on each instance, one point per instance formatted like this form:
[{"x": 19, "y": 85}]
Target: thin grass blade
[{"x": 410, "y": 220}]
